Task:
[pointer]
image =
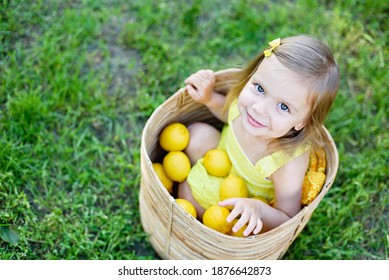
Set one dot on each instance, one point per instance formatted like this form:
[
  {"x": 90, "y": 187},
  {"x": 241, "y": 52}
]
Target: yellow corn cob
[
  {"x": 312, "y": 161},
  {"x": 313, "y": 182},
  {"x": 321, "y": 160}
]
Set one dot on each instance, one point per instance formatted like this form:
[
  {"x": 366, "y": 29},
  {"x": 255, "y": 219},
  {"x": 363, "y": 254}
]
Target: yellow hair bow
[{"x": 273, "y": 44}]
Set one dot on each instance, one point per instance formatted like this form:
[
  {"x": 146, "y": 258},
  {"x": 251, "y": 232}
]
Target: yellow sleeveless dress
[{"x": 205, "y": 188}]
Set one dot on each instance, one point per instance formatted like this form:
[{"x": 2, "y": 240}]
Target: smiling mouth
[{"x": 254, "y": 122}]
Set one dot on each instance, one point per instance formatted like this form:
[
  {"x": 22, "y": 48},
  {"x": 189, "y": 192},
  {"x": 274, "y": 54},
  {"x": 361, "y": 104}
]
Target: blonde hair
[{"x": 313, "y": 62}]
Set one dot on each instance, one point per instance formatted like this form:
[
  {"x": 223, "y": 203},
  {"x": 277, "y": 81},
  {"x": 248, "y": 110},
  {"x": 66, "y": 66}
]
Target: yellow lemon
[
  {"x": 187, "y": 206},
  {"x": 217, "y": 162},
  {"x": 215, "y": 218},
  {"x": 239, "y": 233},
  {"x": 174, "y": 137},
  {"x": 162, "y": 176},
  {"x": 232, "y": 186},
  {"x": 176, "y": 165}
]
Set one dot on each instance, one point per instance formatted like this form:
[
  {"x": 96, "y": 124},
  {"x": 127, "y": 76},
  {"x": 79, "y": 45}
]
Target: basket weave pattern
[{"x": 174, "y": 234}]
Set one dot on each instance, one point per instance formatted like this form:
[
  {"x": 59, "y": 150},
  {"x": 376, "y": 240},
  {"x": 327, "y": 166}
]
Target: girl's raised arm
[{"x": 200, "y": 86}]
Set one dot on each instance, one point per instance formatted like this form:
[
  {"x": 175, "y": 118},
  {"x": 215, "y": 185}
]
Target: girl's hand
[
  {"x": 200, "y": 86},
  {"x": 250, "y": 211}
]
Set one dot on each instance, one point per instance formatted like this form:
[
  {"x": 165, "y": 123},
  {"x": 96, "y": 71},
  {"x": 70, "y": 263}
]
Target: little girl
[{"x": 273, "y": 116}]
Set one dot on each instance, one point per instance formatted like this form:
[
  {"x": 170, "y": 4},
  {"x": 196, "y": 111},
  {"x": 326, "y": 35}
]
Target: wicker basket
[{"x": 176, "y": 235}]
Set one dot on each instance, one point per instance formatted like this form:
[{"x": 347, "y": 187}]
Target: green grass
[{"x": 78, "y": 80}]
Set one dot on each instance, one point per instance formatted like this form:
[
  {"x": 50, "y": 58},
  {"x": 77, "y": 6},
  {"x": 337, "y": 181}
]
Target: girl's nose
[{"x": 261, "y": 108}]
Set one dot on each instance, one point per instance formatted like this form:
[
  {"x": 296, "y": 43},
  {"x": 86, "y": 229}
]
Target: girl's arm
[
  {"x": 200, "y": 87},
  {"x": 260, "y": 216}
]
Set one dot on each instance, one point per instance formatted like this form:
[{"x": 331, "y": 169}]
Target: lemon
[
  {"x": 239, "y": 233},
  {"x": 232, "y": 186},
  {"x": 187, "y": 206},
  {"x": 162, "y": 176},
  {"x": 217, "y": 162},
  {"x": 215, "y": 218},
  {"x": 174, "y": 137},
  {"x": 176, "y": 165}
]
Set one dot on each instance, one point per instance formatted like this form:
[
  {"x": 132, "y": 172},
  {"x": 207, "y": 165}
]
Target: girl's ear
[{"x": 299, "y": 126}]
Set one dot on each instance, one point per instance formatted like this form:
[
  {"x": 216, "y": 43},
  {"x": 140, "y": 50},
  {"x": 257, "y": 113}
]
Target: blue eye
[
  {"x": 283, "y": 107},
  {"x": 259, "y": 88}
]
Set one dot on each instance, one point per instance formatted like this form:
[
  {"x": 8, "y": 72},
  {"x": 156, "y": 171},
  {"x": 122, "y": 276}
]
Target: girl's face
[{"x": 274, "y": 101}]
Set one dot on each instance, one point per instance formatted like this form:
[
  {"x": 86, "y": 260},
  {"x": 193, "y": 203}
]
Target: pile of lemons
[
  {"x": 217, "y": 163},
  {"x": 175, "y": 167}
]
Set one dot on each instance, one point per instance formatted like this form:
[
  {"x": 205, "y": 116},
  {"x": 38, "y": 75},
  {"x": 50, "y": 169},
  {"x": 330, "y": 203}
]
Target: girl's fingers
[
  {"x": 201, "y": 78},
  {"x": 191, "y": 91},
  {"x": 194, "y": 93},
  {"x": 258, "y": 227},
  {"x": 253, "y": 225},
  {"x": 241, "y": 222},
  {"x": 228, "y": 202},
  {"x": 205, "y": 73},
  {"x": 193, "y": 80},
  {"x": 235, "y": 211}
]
